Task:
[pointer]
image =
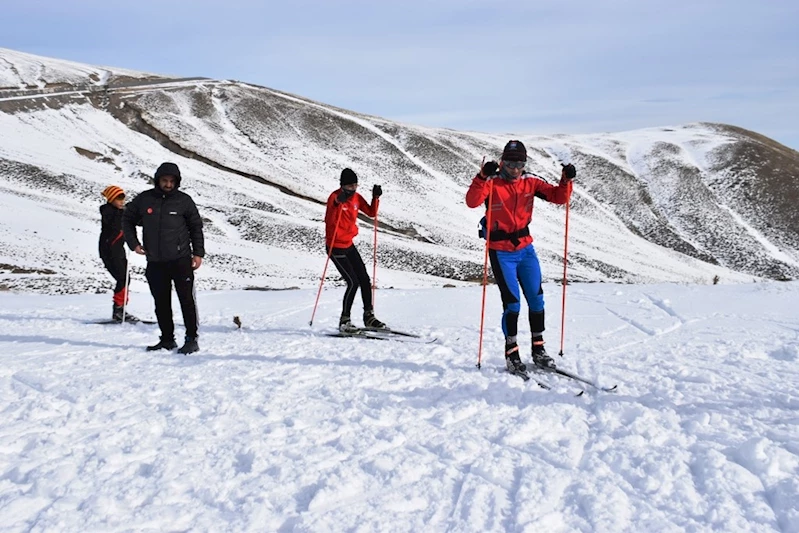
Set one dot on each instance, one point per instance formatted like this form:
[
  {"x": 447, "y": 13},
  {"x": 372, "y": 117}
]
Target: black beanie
[
  {"x": 514, "y": 151},
  {"x": 168, "y": 169},
  {"x": 348, "y": 177}
]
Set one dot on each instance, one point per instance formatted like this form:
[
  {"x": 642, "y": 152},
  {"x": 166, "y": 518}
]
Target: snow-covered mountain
[{"x": 683, "y": 203}]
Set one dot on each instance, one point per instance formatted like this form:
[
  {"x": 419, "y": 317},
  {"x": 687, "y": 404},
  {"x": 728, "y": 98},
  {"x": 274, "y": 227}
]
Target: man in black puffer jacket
[{"x": 172, "y": 232}]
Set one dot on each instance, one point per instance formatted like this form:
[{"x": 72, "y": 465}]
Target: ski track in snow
[{"x": 276, "y": 427}]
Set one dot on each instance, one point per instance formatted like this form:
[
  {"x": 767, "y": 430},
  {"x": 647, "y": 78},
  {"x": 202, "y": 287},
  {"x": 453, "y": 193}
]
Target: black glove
[
  {"x": 489, "y": 169},
  {"x": 569, "y": 172},
  {"x": 377, "y": 191},
  {"x": 343, "y": 196}
]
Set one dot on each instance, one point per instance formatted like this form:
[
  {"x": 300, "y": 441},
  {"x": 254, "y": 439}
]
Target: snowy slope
[
  {"x": 650, "y": 205},
  {"x": 19, "y": 70},
  {"x": 276, "y": 427}
]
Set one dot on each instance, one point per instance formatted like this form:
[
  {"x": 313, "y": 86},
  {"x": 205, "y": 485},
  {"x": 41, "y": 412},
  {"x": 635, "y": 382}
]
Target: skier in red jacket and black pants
[
  {"x": 510, "y": 248},
  {"x": 341, "y": 226}
]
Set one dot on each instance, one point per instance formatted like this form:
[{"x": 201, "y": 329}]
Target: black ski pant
[
  {"x": 160, "y": 276},
  {"x": 117, "y": 265},
  {"x": 350, "y": 265}
]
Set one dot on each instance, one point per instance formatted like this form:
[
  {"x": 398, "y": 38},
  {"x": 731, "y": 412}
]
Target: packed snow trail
[{"x": 277, "y": 427}]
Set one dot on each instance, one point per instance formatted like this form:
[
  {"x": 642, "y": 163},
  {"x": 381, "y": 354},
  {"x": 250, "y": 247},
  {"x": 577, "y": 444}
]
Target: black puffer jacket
[{"x": 171, "y": 225}]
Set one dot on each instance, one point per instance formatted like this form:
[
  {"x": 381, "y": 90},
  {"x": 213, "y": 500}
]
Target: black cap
[
  {"x": 514, "y": 151},
  {"x": 348, "y": 177}
]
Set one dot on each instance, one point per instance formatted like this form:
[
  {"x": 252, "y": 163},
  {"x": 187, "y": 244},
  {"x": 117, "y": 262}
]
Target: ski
[
  {"x": 382, "y": 334},
  {"x": 111, "y": 321},
  {"x": 391, "y": 332},
  {"x": 526, "y": 377},
  {"x": 357, "y": 335},
  {"x": 565, "y": 373}
]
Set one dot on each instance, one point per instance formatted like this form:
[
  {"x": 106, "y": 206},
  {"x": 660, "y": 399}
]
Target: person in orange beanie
[{"x": 112, "y": 249}]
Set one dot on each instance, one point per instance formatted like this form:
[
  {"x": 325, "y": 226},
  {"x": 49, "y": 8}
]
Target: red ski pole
[
  {"x": 485, "y": 269},
  {"x": 565, "y": 264},
  {"x": 127, "y": 289},
  {"x": 324, "y": 271},
  {"x": 374, "y": 263}
]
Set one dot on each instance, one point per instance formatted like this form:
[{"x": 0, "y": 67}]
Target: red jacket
[
  {"x": 347, "y": 216},
  {"x": 512, "y": 204}
]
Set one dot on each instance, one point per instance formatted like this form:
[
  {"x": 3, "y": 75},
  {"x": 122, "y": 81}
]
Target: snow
[
  {"x": 277, "y": 427},
  {"x": 21, "y": 70}
]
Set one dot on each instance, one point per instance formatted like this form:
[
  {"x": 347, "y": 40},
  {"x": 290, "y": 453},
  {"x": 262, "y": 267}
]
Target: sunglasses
[{"x": 513, "y": 164}]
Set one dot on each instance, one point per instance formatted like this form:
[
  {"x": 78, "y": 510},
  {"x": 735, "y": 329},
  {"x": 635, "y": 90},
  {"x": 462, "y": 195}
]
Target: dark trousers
[
  {"x": 117, "y": 265},
  {"x": 350, "y": 265},
  {"x": 160, "y": 276}
]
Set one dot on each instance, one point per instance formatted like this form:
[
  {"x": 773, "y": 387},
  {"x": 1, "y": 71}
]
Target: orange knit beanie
[{"x": 112, "y": 192}]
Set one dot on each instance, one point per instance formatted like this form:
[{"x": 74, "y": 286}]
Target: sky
[{"x": 550, "y": 66}]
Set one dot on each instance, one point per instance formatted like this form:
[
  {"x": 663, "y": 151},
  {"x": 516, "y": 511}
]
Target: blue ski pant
[{"x": 516, "y": 269}]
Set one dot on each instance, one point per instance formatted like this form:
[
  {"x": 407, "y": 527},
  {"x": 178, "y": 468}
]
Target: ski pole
[
  {"x": 324, "y": 271},
  {"x": 127, "y": 290},
  {"x": 565, "y": 263},
  {"x": 374, "y": 263},
  {"x": 485, "y": 267}
]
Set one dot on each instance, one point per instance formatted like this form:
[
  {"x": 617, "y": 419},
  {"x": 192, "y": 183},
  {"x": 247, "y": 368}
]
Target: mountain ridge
[{"x": 683, "y": 203}]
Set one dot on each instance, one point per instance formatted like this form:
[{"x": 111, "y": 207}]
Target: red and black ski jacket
[
  {"x": 512, "y": 206},
  {"x": 346, "y": 214}
]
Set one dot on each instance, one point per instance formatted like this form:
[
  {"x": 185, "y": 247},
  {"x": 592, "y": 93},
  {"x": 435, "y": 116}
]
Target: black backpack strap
[{"x": 513, "y": 237}]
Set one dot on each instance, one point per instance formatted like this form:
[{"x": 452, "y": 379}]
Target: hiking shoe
[
  {"x": 512, "y": 360},
  {"x": 345, "y": 326},
  {"x": 540, "y": 357},
  {"x": 189, "y": 346},
  {"x": 371, "y": 322},
  {"x": 163, "y": 344}
]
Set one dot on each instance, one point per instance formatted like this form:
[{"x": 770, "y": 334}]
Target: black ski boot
[
  {"x": 163, "y": 344},
  {"x": 370, "y": 322},
  {"x": 345, "y": 325},
  {"x": 540, "y": 357},
  {"x": 512, "y": 360},
  {"x": 118, "y": 312},
  {"x": 190, "y": 346}
]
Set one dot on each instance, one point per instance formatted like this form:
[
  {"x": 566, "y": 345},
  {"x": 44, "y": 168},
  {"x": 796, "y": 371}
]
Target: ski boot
[
  {"x": 119, "y": 311},
  {"x": 370, "y": 322},
  {"x": 540, "y": 357},
  {"x": 346, "y": 326},
  {"x": 164, "y": 344},
  {"x": 512, "y": 360},
  {"x": 189, "y": 346}
]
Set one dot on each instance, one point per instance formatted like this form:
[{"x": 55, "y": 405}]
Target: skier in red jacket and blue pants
[
  {"x": 510, "y": 250},
  {"x": 341, "y": 226}
]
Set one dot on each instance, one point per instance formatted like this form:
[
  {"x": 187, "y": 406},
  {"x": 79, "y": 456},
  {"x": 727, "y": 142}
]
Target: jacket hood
[{"x": 167, "y": 169}]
